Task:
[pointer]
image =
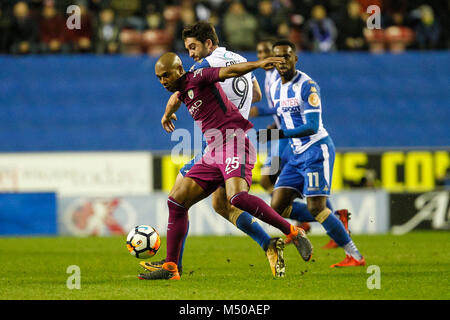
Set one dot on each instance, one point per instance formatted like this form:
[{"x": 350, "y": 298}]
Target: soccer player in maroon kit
[{"x": 229, "y": 160}]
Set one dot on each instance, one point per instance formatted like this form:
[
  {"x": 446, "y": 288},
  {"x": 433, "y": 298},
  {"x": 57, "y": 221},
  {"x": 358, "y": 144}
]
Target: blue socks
[
  {"x": 336, "y": 230},
  {"x": 246, "y": 224},
  {"x": 300, "y": 211},
  {"x": 330, "y": 206},
  {"x": 334, "y": 227}
]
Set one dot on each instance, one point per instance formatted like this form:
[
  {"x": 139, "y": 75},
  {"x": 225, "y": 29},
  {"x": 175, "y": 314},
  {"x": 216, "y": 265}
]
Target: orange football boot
[
  {"x": 168, "y": 271},
  {"x": 300, "y": 240},
  {"x": 305, "y": 226},
  {"x": 349, "y": 261}
]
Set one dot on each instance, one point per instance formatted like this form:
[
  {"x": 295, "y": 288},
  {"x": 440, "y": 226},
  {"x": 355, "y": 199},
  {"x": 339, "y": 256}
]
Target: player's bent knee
[
  {"x": 316, "y": 205},
  {"x": 238, "y": 198},
  {"x": 235, "y": 186},
  {"x": 322, "y": 215},
  {"x": 280, "y": 207},
  {"x": 286, "y": 213},
  {"x": 188, "y": 193},
  {"x": 180, "y": 199},
  {"x": 176, "y": 185}
]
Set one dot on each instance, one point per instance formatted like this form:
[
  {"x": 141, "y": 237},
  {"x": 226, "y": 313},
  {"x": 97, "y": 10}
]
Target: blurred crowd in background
[{"x": 155, "y": 26}]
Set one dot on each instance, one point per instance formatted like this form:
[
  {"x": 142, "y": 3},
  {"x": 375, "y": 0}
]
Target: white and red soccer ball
[{"x": 143, "y": 241}]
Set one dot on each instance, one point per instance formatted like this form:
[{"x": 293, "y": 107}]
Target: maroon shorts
[{"x": 234, "y": 158}]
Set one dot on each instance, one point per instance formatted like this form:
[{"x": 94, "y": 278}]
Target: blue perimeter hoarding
[
  {"x": 104, "y": 103},
  {"x": 28, "y": 214}
]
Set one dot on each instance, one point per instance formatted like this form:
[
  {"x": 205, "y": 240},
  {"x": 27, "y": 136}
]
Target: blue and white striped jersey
[
  {"x": 293, "y": 101},
  {"x": 239, "y": 90},
  {"x": 271, "y": 76}
]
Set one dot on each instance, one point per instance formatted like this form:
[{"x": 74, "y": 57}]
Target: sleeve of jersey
[
  {"x": 205, "y": 76},
  {"x": 310, "y": 94},
  {"x": 201, "y": 64},
  {"x": 309, "y": 128}
]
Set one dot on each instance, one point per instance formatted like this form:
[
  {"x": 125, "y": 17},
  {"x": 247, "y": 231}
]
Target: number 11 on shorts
[{"x": 313, "y": 179}]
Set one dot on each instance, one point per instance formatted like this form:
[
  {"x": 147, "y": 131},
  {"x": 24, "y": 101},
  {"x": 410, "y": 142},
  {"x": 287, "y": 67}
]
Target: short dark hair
[
  {"x": 201, "y": 31},
  {"x": 285, "y": 42}
]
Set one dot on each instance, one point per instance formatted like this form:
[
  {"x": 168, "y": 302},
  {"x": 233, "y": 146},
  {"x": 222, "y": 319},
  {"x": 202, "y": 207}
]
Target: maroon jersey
[{"x": 208, "y": 104}]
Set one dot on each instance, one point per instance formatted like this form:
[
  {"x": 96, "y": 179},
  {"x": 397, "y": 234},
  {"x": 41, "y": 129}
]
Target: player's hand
[
  {"x": 269, "y": 63},
  {"x": 264, "y": 135},
  {"x": 167, "y": 123}
]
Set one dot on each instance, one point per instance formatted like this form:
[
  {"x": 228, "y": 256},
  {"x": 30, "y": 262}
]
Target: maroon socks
[
  {"x": 178, "y": 220},
  {"x": 176, "y": 229},
  {"x": 261, "y": 210}
]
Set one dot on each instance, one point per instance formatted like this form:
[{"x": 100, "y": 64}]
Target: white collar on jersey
[{"x": 217, "y": 50}]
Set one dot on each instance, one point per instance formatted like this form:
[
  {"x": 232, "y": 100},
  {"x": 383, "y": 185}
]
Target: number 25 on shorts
[{"x": 232, "y": 164}]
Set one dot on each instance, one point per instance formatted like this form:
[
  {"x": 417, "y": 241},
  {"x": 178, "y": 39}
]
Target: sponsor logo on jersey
[
  {"x": 291, "y": 102},
  {"x": 197, "y": 72},
  {"x": 291, "y": 109},
  {"x": 225, "y": 56},
  {"x": 229, "y": 63},
  {"x": 191, "y": 94},
  {"x": 194, "y": 107}
]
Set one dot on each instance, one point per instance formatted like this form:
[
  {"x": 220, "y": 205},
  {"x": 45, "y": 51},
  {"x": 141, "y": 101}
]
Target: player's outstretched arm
[
  {"x": 172, "y": 106},
  {"x": 309, "y": 128},
  {"x": 239, "y": 69}
]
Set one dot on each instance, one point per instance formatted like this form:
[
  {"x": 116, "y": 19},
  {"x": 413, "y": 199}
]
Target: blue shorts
[
  {"x": 310, "y": 172},
  {"x": 277, "y": 148},
  {"x": 287, "y": 153}
]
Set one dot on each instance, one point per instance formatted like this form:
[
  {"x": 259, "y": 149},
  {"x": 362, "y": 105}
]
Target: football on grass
[{"x": 143, "y": 241}]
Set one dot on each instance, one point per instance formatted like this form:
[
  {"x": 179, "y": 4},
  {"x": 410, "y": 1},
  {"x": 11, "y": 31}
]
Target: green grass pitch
[{"x": 412, "y": 266}]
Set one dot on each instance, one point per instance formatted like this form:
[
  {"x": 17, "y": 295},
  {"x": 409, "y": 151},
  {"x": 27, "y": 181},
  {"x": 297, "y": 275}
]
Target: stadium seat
[
  {"x": 131, "y": 41},
  {"x": 156, "y": 42},
  {"x": 398, "y": 38},
  {"x": 375, "y": 39},
  {"x": 110, "y": 103},
  {"x": 171, "y": 13},
  {"x": 171, "y": 16}
]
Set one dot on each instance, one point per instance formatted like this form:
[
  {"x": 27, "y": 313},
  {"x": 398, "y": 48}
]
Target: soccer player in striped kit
[
  {"x": 309, "y": 170},
  {"x": 280, "y": 151}
]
